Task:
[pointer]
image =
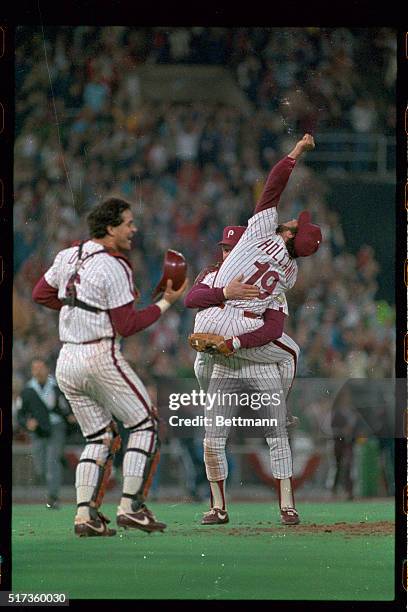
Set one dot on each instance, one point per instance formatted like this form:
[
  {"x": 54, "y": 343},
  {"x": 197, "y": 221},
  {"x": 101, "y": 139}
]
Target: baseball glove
[{"x": 210, "y": 343}]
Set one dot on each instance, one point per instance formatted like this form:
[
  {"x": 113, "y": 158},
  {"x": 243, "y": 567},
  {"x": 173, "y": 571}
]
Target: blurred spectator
[
  {"x": 363, "y": 119},
  {"x": 17, "y": 387},
  {"x": 192, "y": 168},
  {"x": 45, "y": 413},
  {"x": 345, "y": 422}
]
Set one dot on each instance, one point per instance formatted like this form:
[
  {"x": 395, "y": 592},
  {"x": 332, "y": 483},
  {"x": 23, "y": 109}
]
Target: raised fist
[{"x": 307, "y": 142}]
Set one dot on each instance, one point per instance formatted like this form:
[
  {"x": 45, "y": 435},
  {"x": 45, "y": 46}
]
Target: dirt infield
[{"x": 362, "y": 528}]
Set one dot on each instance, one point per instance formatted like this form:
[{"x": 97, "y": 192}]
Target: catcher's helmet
[{"x": 174, "y": 268}]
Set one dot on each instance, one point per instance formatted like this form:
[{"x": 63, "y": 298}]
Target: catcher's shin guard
[
  {"x": 151, "y": 467},
  {"x": 110, "y": 438},
  {"x": 152, "y": 459}
]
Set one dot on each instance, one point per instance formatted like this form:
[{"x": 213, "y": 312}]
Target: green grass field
[{"x": 253, "y": 557}]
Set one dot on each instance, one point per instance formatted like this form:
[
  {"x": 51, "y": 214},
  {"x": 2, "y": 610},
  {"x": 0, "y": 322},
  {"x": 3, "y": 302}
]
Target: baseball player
[
  {"x": 91, "y": 284},
  {"x": 264, "y": 256},
  {"x": 284, "y": 352}
]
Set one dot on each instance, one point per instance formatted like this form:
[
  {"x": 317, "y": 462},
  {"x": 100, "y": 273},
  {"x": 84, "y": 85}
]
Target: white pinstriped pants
[
  {"x": 99, "y": 383},
  {"x": 261, "y": 370},
  {"x": 229, "y": 375}
]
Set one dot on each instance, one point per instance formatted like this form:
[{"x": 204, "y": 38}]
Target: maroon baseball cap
[
  {"x": 308, "y": 236},
  {"x": 231, "y": 235}
]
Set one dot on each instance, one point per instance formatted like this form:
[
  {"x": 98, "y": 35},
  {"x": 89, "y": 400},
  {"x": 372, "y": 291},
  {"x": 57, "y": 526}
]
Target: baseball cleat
[
  {"x": 94, "y": 527},
  {"x": 289, "y": 516},
  {"x": 143, "y": 519},
  {"x": 215, "y": 516}
]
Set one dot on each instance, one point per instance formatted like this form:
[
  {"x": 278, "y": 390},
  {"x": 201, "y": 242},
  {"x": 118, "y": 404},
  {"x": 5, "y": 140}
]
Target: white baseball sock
[
  {"x": 215, "y": 459},
  {"x": 286, "y": 494},
  {"x": 218, "y": 494}
]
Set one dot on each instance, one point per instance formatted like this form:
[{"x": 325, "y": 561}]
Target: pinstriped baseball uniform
[
  {"x": 95, "y": 378},
  {"x": 283, "y": 352},
  {"x": 91, "y": 284},
  {"x": 264, "y": 369},
  {"x": 262, "y": 258},
  {"x": 233, "y": 375}
]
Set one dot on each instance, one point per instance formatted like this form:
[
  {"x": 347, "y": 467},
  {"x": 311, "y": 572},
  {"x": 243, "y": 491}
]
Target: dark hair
[
  {"x": 282, "y": 227},
  {"x": 290, "y": 245},
  {"x": 109, "y": 212},
  {"x": 42, "y": 360}
]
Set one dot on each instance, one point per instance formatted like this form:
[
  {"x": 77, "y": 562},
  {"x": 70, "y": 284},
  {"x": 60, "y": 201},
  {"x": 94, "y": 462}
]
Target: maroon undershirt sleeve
[
  {"x": 203, "y": 296},
  {"x": 46, "y": 295},
  {"x": 272, "y": 329},
  {"x": 275, "y": 184},
  {"x": 126, "y": 320}
]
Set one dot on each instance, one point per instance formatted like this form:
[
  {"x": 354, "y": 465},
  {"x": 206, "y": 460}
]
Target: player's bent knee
[{"x": 150, "y": 423}]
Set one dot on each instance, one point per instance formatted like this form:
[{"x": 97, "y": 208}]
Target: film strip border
[
  {"x": 401, "y": 298},
  {"x": 6, "y": 273},
  {"x": 6, "y": 198}
]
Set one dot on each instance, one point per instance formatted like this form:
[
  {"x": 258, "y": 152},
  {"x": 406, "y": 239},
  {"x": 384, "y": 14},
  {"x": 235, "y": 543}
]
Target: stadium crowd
[{"x": 83, "y": 131}]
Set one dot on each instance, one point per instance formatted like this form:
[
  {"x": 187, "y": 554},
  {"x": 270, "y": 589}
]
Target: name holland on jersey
[
  {"x": 280, "y": 255},
  {"x": 220, "y": 421}
]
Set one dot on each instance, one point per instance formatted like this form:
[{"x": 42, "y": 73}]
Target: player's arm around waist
[{"x": 272, "y": 329}]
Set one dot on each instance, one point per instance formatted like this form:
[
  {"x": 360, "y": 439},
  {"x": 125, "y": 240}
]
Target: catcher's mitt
[{"x": 210, "y": 343}]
